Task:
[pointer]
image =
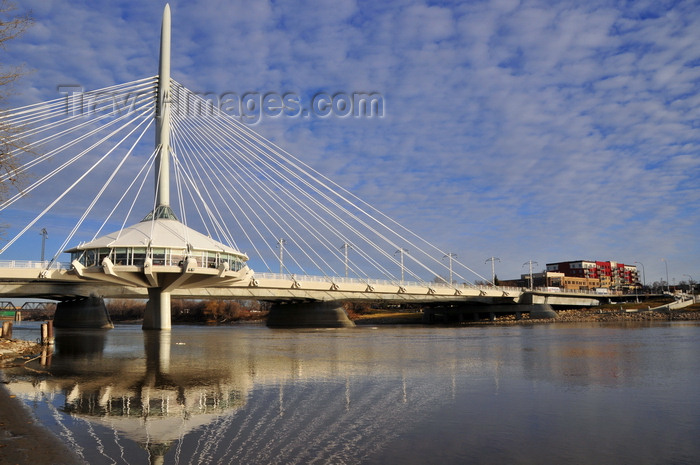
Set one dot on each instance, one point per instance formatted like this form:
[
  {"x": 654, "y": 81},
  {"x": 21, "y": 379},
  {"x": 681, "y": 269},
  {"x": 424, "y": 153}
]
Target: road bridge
[
  {"x": 219, "y": 189},
  {"x": 63, "y": 283}
]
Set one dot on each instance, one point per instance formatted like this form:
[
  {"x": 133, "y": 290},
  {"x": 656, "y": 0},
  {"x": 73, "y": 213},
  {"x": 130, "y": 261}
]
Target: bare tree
[{"x": 12, "y": 25}]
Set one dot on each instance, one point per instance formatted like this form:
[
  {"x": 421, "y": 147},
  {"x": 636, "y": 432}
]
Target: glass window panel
[{"x": 139, "y": 255}]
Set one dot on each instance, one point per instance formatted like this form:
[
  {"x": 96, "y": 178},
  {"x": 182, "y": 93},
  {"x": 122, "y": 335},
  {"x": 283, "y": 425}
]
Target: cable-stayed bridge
[{"x": 212, "y": 209}]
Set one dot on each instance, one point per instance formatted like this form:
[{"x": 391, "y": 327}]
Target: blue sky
[{"x": 525, "y": 130}]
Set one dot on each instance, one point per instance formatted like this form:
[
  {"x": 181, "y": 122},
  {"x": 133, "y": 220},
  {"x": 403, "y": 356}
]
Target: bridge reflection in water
[
  {"x": 517, "y": 394},
  {"x": 183, "y": 394}
]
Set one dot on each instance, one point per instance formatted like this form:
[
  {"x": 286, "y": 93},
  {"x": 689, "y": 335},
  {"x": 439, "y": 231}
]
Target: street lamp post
[
  {"x": 644, "y": 276},
  {"x": 280, "y": 244},
  {"x": 44, "y": 236},
  {"x": 668, "y": 284},
  {"x": 401, "y": 251},
  {"x": 493, "y": 261},
  {"x": 530, "y": 262},
  {"x": 345, "y": 248},
  {"x": 449, "y": 257}
]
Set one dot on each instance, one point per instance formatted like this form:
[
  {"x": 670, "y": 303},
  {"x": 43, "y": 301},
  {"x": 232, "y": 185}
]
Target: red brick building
[{"x": 608, "y": 274}]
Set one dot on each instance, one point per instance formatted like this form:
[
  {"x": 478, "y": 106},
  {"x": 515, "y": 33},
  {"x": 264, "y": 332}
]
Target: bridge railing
[
  {"x": 38, "y": 264},
  {"x": 580, "y": 291},
  {"x": 344, "y": 280},
  {"x": 372, "y": 281}
]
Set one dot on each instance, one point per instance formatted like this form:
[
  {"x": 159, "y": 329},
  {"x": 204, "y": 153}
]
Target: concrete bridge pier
[
  {"x": 308, "y": 315},
  {"x": 82, "y": 312},
  {"x": 157, "y": 314},
  {"x": 541, "y": 311}
]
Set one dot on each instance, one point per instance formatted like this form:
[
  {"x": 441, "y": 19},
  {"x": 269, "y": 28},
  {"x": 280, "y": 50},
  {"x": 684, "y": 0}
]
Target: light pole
[
  {"x": 401, "y": 251},
  {"x": 668, "y": 284},
  {"x": 44, "y": 236},
  {"x": 644, "y": 276},
  {"x": 280, "y": 244},
  {"x": 450, "y": 256},
  {"x": 493, "y": 261},
  {"x": 345, "y": 248},
  {"x": 530, "y": 262}
]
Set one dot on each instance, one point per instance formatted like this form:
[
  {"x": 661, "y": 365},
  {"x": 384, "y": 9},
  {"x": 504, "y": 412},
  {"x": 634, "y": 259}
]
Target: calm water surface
[{"x": 575, "y": 394}]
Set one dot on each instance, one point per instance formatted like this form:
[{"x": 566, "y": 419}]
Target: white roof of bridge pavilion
[
  {"x": 165, "y": 231},
  {"x": 159, "y": 253}
]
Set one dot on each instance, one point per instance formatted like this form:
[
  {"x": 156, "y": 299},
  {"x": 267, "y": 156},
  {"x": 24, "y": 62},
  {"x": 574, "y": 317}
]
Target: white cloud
[{"x": 530, "y": 130}]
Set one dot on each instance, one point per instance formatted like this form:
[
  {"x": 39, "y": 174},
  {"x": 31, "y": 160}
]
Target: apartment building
[{"x": 594, "y": 274}]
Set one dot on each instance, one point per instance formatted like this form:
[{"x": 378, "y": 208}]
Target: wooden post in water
[
  {"x": 46, "y": 353},
  {"x": 47, "y": 333},
  {"x": 49, "y": 326},
  {"x": 7, "y": 329}
]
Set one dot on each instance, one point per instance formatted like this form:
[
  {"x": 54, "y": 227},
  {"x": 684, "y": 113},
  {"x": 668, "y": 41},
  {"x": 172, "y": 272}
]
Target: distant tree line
[
  {"x": 183, "y": 311},
  {"x": 658, "y": 287},
  {"x": 193, "y": 311}
]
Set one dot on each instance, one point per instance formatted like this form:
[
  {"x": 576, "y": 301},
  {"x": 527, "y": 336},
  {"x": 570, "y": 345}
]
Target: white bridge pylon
[{"x": 227, "y": 201}]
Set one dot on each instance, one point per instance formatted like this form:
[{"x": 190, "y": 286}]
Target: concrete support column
[
  {"x": 538, "y": 311},
  {"x": 157, "y": 314},
  {"x": 82, "y": 312}
]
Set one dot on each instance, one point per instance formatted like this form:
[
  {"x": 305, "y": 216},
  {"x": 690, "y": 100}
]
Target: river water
[{"x": 545, "y": 394}]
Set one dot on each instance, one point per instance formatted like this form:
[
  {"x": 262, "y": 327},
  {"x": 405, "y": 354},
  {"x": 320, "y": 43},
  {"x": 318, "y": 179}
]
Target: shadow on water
[{"x": 87, "y": 343}]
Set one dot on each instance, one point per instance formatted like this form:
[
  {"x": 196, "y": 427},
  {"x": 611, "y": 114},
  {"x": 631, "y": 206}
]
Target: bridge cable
[
  {"x": 51, "y": 174},
  {"x": 304, "y": 167},
  {"x": 146, "y": 168},
  {"x": 374, "y": 245},
  {"x": 38, "y": 143},
  {"x": 304, "y": 223},
  {"x": 104, "y": 185},
  {"x": 55, "y": 201},
  {"x": 214, "y": 156},
  {"x": 142, "y": 174},
  {"x": 362, "y": 222}
]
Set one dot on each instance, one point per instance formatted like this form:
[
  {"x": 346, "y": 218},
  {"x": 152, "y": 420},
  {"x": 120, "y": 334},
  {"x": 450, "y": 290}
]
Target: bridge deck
[{"x": 29, "y": 279}]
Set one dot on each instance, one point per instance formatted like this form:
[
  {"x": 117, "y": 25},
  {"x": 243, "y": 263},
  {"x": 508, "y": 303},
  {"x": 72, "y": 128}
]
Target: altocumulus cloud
[{"x": 522, "y": 129}]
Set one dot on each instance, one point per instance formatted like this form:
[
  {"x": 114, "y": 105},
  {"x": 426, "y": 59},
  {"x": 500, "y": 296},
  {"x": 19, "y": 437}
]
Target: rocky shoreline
[
  {"x": 609, "y": 314},
  {"x": 688, "y": 314}
]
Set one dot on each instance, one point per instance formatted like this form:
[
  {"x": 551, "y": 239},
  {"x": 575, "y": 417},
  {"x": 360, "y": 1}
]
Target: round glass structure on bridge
[{"x": 156, "y": 252}]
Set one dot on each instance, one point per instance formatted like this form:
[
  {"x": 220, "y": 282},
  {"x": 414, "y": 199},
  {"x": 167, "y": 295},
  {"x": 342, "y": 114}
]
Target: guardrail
[
  {"x": 38, "y": 264},
  {"x": 434, "y": 285},
  {"x": 371, "y": 281}
]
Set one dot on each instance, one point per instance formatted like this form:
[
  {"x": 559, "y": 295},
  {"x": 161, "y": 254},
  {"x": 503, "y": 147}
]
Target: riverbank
[
  {"x": 22, "y": 438},
  {"x": 11, "y": 349},
  {"x": 607, "y": 313}
]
